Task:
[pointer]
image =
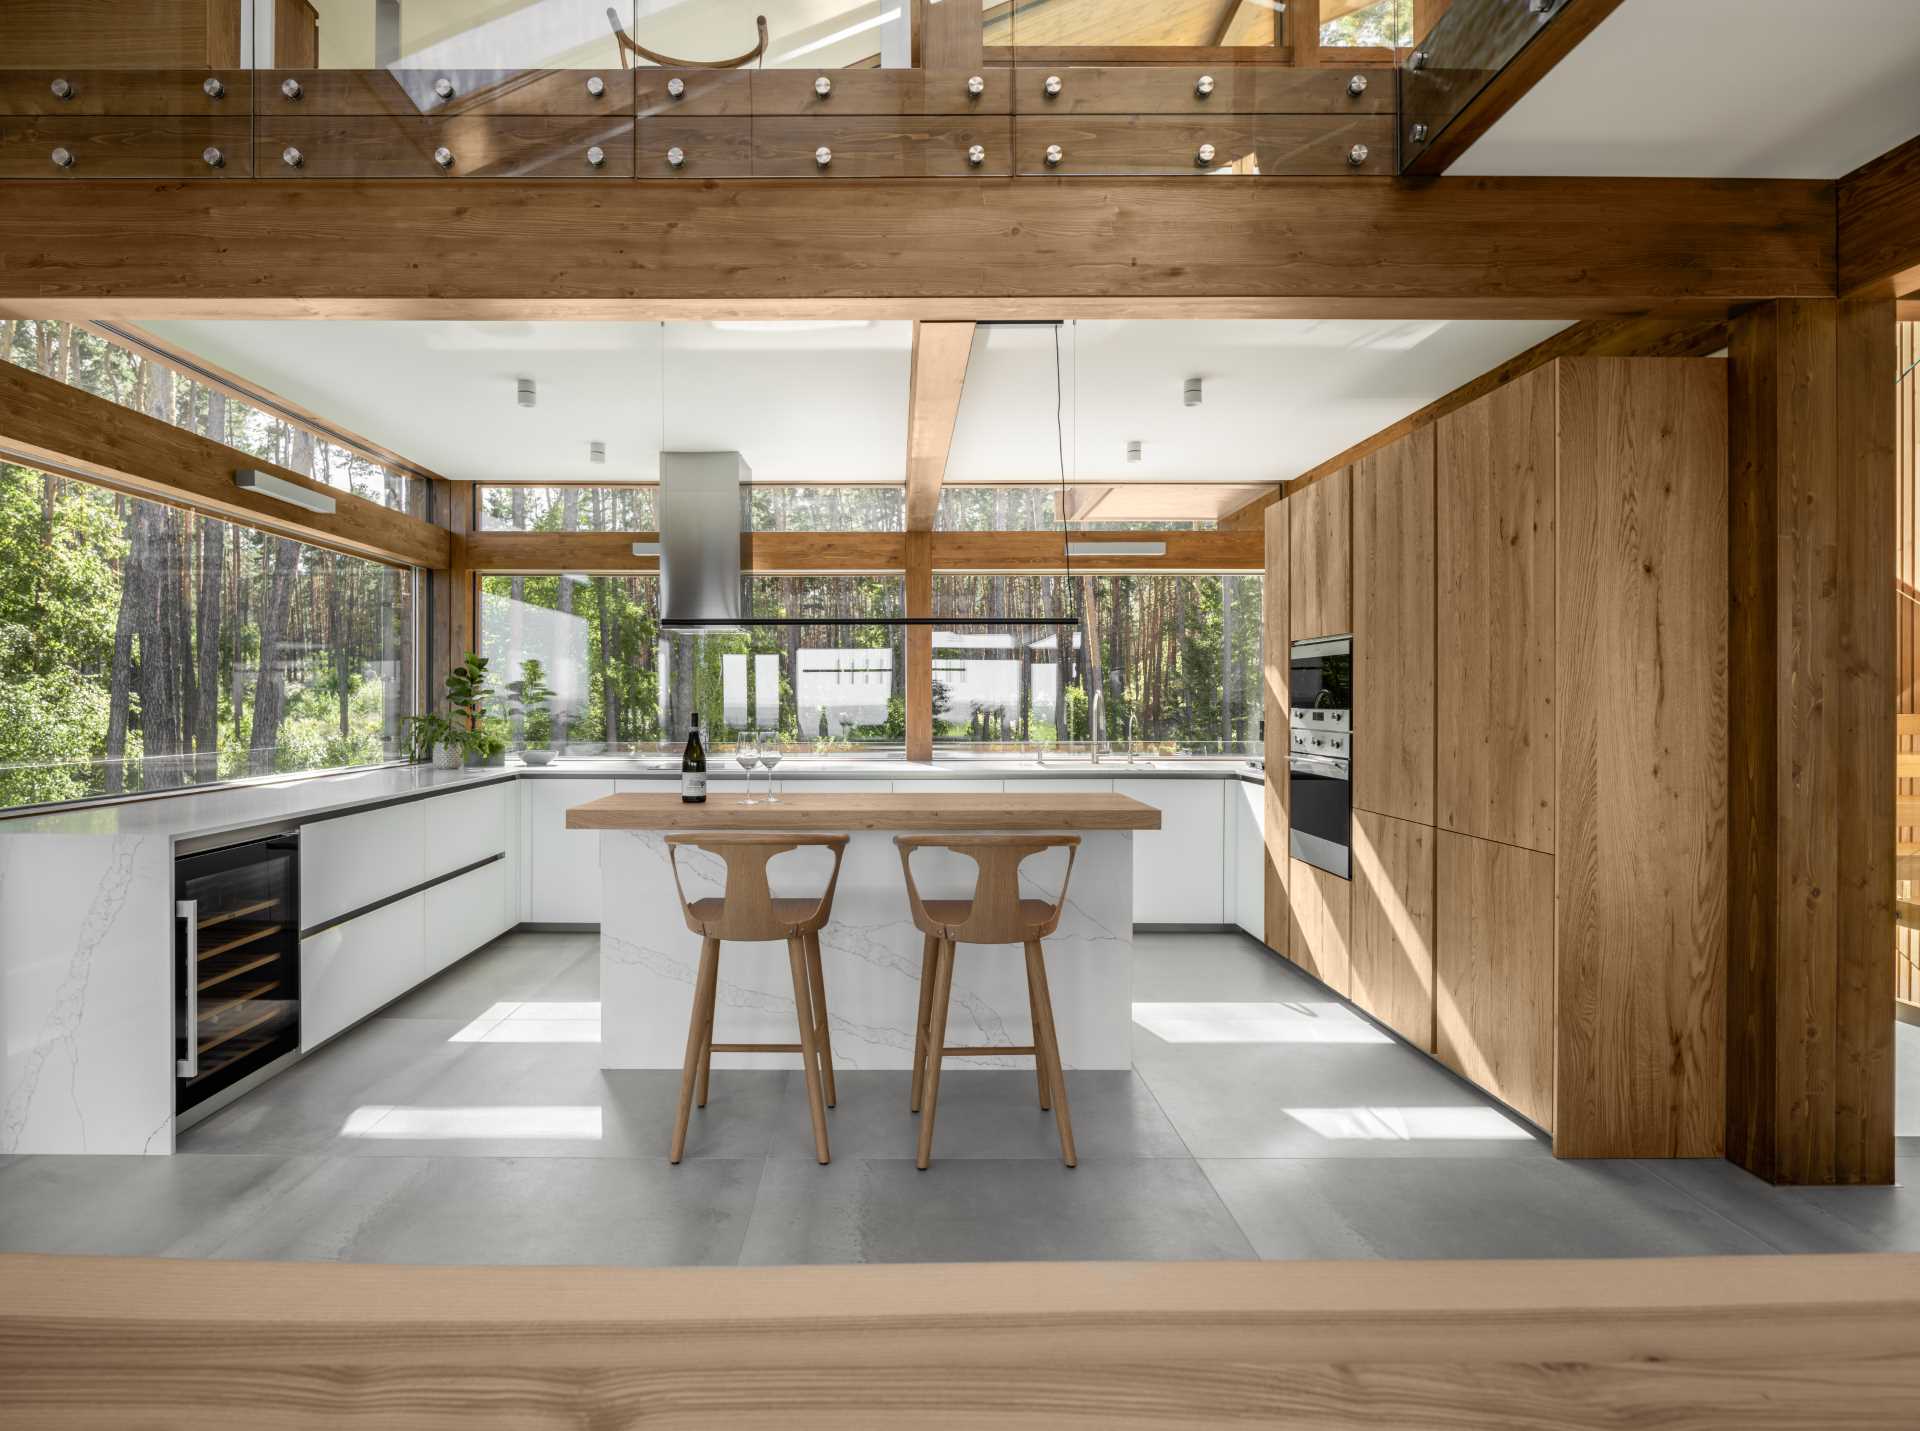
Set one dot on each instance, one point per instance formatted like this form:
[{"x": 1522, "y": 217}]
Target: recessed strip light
[
  {"x": 1116, "y": 549},
  {"x": 251, "y": 479},
  {"x": 646, "y": 549}
]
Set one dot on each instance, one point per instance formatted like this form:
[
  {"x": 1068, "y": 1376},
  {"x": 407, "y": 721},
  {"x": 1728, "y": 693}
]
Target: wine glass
[
  {"x": 773, "y": 749},
  {"x": 745, "y": 754}
]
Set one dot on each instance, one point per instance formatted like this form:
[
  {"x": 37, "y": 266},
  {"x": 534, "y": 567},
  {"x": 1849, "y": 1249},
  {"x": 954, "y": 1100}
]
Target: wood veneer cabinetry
[
  {"x": 1393, "y": 629},
  {"x": 1392, "y": 934},
  {"x": 1494, "y": 478},
  {"x": 1493, "y": 970},
  {"x": 1319, "y": 544},
  {"x": 1275, "y": 595},
  {"x": 1320, "y": 916}
]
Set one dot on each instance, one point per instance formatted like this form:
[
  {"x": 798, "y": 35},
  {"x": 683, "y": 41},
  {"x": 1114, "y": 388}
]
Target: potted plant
[
  {"x": 529, "y": 698},
  {"x": 468, "y": 695},
  {"x": 434, "y": 737}
]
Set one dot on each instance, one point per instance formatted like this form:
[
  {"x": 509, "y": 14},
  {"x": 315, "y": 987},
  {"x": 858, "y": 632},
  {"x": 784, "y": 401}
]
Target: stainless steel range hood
[{"x": 703, "y": 525}]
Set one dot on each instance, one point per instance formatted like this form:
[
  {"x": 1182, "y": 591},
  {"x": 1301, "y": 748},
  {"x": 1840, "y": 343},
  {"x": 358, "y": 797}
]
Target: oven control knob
[{"x": 676, "y": 87}]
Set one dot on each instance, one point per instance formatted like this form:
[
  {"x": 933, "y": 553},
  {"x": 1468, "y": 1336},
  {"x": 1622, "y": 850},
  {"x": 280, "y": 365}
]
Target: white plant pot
[
  {"x": 537, "y": 757},
  {"x": 448, "y": 757}
]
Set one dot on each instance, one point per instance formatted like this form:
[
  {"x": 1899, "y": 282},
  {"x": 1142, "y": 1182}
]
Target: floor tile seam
[{"x": 1652, "y": 1167}]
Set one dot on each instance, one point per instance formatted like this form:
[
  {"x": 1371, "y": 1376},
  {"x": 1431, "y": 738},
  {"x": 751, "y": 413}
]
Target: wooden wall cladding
[
  {"x": 1320, "y": 562},
  {"x": 133, "y": 147},
  {"x": 1494, "y": 494},
  {"x": 153, "y": 33},
  {"x": 1641, "y": 865},
  {"x": 1393, "y": 924},
  {"x": 1393, "y": 629},
  {"x": 1320, "y": 919},
  {"x": 1274, "y": 602},
  {"x": 878, "y": 147},
  {"x": 479, "y": 146},
  {"x": 1493, "y": 970}
]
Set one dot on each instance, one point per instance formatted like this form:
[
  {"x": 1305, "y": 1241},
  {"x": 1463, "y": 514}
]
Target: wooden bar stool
[
  {"x": 748, "y": 911},
  {"x": 995, "y": 915}
]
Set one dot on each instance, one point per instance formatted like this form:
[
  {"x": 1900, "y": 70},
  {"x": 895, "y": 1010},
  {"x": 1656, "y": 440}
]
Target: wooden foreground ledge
[
  {"x": 1748, "y": 1342},
  {"x": 933, "y": 811}
]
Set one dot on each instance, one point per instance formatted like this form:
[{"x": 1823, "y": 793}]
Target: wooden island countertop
[{"x": 936, "y": 812}]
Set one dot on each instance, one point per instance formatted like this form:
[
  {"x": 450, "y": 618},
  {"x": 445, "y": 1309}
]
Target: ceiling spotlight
[
  {"x": 526, "y": 392},
  {"x": 1133, "y": 450},
  {"x": 1193, "y": 392},
  {"x": 597, "y": 451}
]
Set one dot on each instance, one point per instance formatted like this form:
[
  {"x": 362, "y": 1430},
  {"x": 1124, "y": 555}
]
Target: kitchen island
[{"x": 870, "y": 949}]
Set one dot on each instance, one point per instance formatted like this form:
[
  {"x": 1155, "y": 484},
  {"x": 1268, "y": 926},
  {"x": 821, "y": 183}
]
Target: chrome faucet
[
  {"x": 1096, "y": 724},
  {"x": 1129, "y": 737}
]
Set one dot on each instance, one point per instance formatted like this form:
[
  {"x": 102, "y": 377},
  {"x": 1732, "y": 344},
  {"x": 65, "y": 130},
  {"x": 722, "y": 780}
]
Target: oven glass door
[
  {"x": 1321, "y": 675},
  {"x": 1321, "y": 805}
]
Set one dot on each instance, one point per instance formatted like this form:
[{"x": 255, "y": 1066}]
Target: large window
[
  {"x": 96, "y": 363},
  {"x": 1175, "y": 660},
  {"x": 143, "y": 647},
  {"x": 847, "y": 507},
  {"x": 621, "y": 687}
]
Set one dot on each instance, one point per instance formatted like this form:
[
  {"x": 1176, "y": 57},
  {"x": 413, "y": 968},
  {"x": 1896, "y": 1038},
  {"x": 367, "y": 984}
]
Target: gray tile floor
[{"x": 471, "y": 1123}]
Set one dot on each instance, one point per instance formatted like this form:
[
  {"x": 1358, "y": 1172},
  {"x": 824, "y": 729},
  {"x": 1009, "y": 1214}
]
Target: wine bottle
[{"x": 693, "y": 767}]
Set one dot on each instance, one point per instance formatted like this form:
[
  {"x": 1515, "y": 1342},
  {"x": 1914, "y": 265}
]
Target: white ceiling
[
  {"x": 1762, "y": 89},
  {"x": 829, "y": 402}
]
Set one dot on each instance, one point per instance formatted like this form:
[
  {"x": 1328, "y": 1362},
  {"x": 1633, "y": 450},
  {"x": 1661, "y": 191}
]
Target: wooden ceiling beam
[
  {"x": 937, "y": 374},
  {"x": 1568, "y": 25},
  {"x": 45, "y": 423},
  {"x": 915, "y": 248},
  {"x": 1611, "y": 338},
  {"x": 1879, "y": 221}
]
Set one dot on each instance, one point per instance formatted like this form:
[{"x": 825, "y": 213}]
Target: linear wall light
[
  {"x": 646, "y": 549},
  {"x": 250, "y": 479},
  {"x": 1116, "y": 549}
]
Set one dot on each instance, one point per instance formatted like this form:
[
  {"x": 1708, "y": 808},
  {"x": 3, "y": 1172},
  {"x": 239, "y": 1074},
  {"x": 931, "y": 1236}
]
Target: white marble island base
[{"x": 871, "y": 954}]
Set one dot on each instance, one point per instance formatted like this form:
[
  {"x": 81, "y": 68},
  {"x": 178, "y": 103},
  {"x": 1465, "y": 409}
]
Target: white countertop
[{"x": 303, "y": 797}]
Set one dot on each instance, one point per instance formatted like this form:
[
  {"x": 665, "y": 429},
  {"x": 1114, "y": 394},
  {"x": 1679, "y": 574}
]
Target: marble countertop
[{"x": 304, "y": 797}]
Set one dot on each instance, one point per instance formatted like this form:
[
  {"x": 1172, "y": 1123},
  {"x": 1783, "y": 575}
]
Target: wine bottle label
[{"x": 693, "y": 785}]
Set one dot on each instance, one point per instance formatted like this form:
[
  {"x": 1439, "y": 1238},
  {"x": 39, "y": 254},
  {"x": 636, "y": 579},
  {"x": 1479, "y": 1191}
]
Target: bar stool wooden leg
[
  {"x": 809, "y": 1054},
  {"x": 1037, "y": 974},
  {"x": 936, "y": 1044},
  {"x": 706, "y": 1052},
  {"x": 929, "y": 966},
  {"x": 1039, "y": 1057},
  {"x": 822, "y": 1033},
  {"x": 704, "y": 984}
]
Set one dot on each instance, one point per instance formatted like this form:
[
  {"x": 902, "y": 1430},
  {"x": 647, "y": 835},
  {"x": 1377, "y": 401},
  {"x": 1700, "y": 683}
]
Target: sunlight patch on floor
[
  {"x": 575, "y": 1122},
  {"x": 534, "y": 1021},
  {"x": 1256, "y": 1023},
  {"x": 1406, "y": 1125}
]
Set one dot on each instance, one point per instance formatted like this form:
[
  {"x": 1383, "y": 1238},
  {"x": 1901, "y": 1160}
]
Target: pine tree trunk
[
  {"x": 270, "y": 689},
  {"x": 1090, "y": 649},
  {"x": 120, "y": 682}
]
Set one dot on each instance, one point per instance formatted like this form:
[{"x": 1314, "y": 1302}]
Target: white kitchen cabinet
[
  {"x": 466, "y": 912},
  {"x": 1247, "y": 867},
  {"x": 563, "y": 866},
  {"x": 1178, "y": 869},
  {"x": 467, "y": 826},
  {"x": 350, "y": 970},
  {"x": 355, "y": 860}
]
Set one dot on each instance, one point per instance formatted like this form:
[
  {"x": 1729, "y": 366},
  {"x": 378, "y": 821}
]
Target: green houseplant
[
  {"x": 457, "y": 738},
  {"x": 530, "y": 698}
]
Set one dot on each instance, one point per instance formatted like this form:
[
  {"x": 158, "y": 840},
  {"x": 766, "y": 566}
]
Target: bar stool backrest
[
  {"x": 994, "y": 915},
  {"x": 747, "y": 909}
]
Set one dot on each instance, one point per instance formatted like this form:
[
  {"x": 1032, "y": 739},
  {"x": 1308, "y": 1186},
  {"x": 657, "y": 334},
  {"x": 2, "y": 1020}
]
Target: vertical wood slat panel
[
  {"x": 1275, "y": 597},
  {"x": 1907, "y": 621},
  {"x": 1320, "y": 565},
  {"x": 1393, "y": 629},
  {"x": 1641, "y": 855}
]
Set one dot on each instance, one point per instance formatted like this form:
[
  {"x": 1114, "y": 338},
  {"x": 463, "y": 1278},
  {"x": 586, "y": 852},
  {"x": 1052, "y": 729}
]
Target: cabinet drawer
[
  {"x": 1133, "y": 144},
  {"x": 463, "y": 914},
  {"x": 137, "y": 147},
  {"x": 897, "y": 92},
  {"x": 1178, "y": 868},
  {"x": 709, "y": 148},
  {"x": 350, "y": 970},
  {"x": 126, "y": 92},
  {"x": 415, "y": 92},
  {"x": 1313, "y": 144},
  {"x": 479, "y": 146},
  {"x": 353, "y": 861},
  {"x": 879, "y": 147},
  {"x": 467, "y": 826},
  {"x": 703, "y": 93}
]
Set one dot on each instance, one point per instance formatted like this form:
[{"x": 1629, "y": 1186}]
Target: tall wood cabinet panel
[
  {"x": 1393, "y": 629},
  {"x": 1320, "y": 907},
  {"x": 1392, "y": 934},
  {"x": 1642, "y": 853},
  {"x": 1493, "y": 970},
  {"x": 1319, "y": 541},
  {"x": 1273, "y": 688},
  {"x": 1494, "y": 479}
]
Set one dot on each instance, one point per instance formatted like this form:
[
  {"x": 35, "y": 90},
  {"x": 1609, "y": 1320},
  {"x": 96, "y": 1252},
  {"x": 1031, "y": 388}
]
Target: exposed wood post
[
  {"x": 1303, "y": 31},
  {"x": 1811, "y": 692},
  {"x": 452, "y": 627},
  {"x": 950, "y": 35},
  {"x": 936, "y": 374},
  {"x": 920, "y": 647}
]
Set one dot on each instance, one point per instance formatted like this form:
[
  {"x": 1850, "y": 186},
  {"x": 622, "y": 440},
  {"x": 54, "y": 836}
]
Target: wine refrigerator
[{"x": 236, "y": 998}]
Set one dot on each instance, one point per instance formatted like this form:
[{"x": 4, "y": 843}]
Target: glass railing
[{"x": 1456, "y": 59}]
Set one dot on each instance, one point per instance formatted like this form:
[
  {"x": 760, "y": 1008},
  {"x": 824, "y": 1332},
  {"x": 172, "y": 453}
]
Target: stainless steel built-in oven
[
  {"x": 236, "y": 964},
  {"x": 1320, "y": 755}
]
